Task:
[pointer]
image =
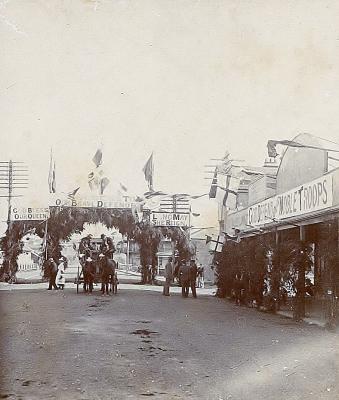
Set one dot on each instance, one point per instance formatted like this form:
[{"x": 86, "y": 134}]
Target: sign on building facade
[
  {"x": 29, "y": 213},
  {"x": 95, "y": 203},
  {"x": 310, "y": 197},
  {"x": 170, "y": 219}
]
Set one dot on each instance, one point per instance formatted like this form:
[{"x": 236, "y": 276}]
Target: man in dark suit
[
  {"x": 52, "y": 270},
  {"x": 193, "y": 277},
  {"x": 184, "y": 273},
  {"x": 168, "y": 277}
]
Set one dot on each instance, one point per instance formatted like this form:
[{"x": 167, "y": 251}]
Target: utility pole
[
  {"x": 10, "y": 190},
  {"x": 13, "y": 176}
]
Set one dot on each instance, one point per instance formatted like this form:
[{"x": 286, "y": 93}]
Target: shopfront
[{"x": 299, "y": 217}]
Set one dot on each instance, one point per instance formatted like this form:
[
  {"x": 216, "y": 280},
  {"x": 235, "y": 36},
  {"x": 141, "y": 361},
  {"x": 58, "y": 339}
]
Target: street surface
[{"x": 140, "y": 344}]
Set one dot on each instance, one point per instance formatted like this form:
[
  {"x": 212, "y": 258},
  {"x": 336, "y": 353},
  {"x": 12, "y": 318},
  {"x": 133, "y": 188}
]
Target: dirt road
[{"x": 138, "y": 344}]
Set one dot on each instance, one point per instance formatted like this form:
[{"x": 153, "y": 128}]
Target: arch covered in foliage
[{"x": 65, "y": 221}]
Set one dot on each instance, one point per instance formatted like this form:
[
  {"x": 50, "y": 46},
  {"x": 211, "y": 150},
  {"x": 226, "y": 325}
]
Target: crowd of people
[
  {"x": 188, "y": 274},
  {"x": 97, "y": 264}
]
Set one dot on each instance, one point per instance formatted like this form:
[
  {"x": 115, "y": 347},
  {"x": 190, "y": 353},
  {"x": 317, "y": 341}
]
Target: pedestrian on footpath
[
  {"x": 193, "y": 277},
  {"x": 184, "y": 273},
  {"x": 168, "y": 277},
  {"x": 201, "y": 283},
  {"x": 52, "y": 270},
  {"x": 60, "y": 278}
]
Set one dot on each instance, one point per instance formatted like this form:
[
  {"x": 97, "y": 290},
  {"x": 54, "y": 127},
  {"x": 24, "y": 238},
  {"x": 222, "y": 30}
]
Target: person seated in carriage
[
  {"x": 107, "y": 246},
  {"x": 86, "y": 247}
]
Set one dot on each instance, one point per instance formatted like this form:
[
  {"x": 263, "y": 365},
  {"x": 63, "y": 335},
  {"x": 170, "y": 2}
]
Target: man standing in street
[
  {"x": 184, "y": 273},
  {"x": 168, "y": 277},
  {"x": 52, "y": 270},
  {"x": 193, "y": 277}
]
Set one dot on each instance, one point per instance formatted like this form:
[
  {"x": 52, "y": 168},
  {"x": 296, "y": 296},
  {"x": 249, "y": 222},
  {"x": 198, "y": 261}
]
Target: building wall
[
  {"x": 260, "y": 189},
  {"x": 300, "y": 165}
]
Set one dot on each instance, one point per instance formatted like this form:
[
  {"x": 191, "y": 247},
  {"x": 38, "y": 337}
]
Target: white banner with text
[{"x": 307, "y": 198}]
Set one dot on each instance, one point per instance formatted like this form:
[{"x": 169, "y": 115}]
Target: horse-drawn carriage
[{"x": 91, "y": 252}]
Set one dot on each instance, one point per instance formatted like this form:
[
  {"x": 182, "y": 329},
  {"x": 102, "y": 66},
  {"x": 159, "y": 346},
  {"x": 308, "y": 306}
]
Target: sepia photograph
[{"x": 169, "y": 199}]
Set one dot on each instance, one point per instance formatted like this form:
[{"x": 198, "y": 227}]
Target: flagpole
[
  {"x": 152, "y": 173},
  {"x": 46, "y": 226}
]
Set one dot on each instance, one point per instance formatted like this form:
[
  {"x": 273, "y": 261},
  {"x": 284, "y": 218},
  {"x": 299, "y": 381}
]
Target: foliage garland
[{"x": 65, "y": 221}]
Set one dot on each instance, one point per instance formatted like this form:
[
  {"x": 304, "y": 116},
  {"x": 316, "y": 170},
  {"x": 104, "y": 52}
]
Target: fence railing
[{"x": 28, "y": 267}]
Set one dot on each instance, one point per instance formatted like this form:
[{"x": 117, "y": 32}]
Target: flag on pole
[
  {"x": 123, "y": 187},
  {"x": 272, "y": 152},
  {"x": 213, "y": 189},
  {"x": 97, "y": 159},
  {"x": 51, "y": 175},
  {"x": 148, "y": 172},
  {"x": 96, "y": 179},
  {"x": 215, "y": 243},
  {"x": 71, "y": 194},
  {"x": 232, "y": 189},
  {"x": 93, "y": 180},
  {"x": 271, "y": 149},
  {"x": 103, "y": 184}
]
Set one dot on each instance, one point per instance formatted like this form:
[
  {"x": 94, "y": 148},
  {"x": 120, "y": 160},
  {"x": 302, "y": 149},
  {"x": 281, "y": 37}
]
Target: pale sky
[{"x": 185, "y": 79}]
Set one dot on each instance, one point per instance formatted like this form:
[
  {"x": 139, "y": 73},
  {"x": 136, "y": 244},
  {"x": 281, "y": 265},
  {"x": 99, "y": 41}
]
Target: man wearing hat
[
  {"x": 52, "y": 270},
  {"x": 107, "y": 246},
  {"x": 184, "y": 273},
  {"x": 168, "y": 277},
  {"x": 86, "y": 246}
]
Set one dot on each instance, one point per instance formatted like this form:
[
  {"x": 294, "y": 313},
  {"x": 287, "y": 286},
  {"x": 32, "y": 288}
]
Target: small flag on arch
[{"x": 71, "y": 194}]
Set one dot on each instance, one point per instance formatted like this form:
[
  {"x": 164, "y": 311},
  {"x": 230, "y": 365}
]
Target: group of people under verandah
[
  {"x": 246, "y": 292},
  {"x": 187, "y": 273}
]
